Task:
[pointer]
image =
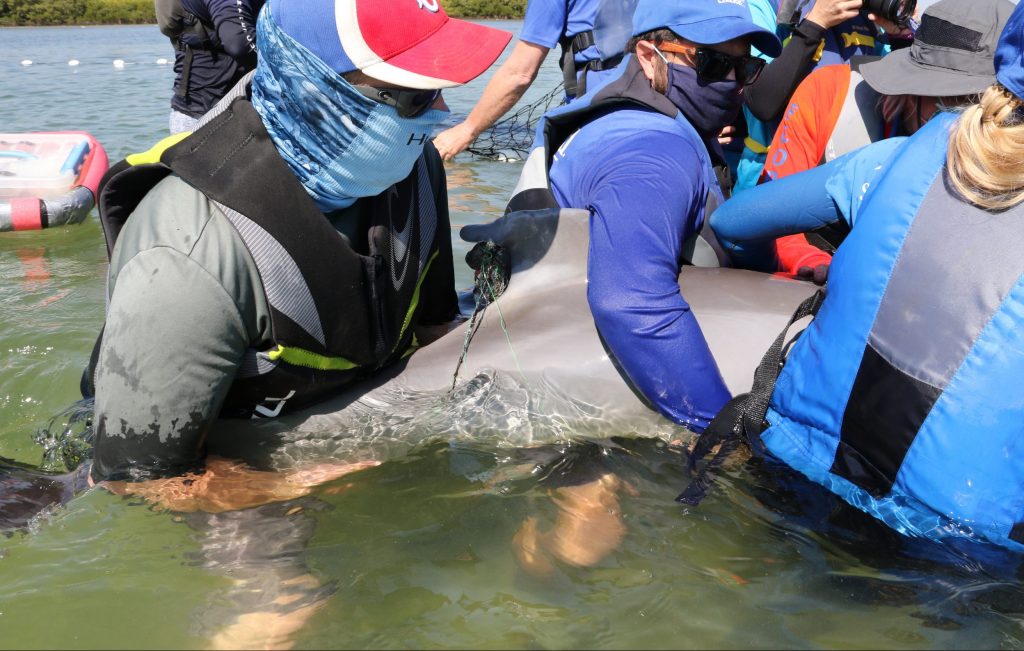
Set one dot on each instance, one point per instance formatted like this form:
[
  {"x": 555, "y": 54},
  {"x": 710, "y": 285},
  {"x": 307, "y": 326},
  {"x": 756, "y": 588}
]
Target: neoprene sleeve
[
  {"x": 768, "y": 96},
  {"x": 185, "y": 301},
  {"x": 165, "y": 367}
]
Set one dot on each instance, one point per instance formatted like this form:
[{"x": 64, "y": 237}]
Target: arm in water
[
  {"x": 227, "y": 485},
  {"x": 748, "y": 224},
  {"x": 164, "y": 367}
]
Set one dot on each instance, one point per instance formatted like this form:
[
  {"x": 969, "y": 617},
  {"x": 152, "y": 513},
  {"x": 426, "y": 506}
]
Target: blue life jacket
[
  {"x": 629, "y": 89},
  {"x": 854, "y": 37},
  {"x": 903, "y": 396}
]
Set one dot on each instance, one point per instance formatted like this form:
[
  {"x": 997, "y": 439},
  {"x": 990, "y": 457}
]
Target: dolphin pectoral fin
[{"x": 26, "y": 491}]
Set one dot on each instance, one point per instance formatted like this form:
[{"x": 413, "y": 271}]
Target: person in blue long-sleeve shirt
[
  {"x": 639, "y": 151},
  {"x": 644, "y": 205},
  {"x": 645, "y": 162}
]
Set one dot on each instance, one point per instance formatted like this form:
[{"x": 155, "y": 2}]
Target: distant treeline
[
  {"x": 122, "y": 12},
  {"x": 484, "y": 8},
  {"x": 76, "y": 12}
]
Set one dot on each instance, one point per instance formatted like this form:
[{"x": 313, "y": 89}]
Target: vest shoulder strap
[
  {"x": 743, "y": 418},
  {"x": 121, "y": 190},
  {"x": 125, "y": 184}
]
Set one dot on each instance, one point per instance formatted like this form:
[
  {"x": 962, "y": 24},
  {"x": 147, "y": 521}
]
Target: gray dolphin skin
[
  {"x": 536, "y": 346},
  {"x": 548, "y": 344}
]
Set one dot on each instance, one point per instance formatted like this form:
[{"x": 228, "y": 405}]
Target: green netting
[
  {"x": 510, "y": 138},
  {"x": 493, "y": 269}
]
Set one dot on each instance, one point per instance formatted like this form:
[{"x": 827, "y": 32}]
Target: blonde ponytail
[{"x": 985, "y": 159}]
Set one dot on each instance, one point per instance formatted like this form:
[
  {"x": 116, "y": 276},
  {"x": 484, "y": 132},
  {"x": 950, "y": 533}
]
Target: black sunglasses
[
  {"x": 407, "y": 103},
  {"x": 713, "y": 65}
]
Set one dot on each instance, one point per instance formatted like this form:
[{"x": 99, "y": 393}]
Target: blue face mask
[
  {"x": 340, "y": 144},
  {"x": 709, "y": 107}
]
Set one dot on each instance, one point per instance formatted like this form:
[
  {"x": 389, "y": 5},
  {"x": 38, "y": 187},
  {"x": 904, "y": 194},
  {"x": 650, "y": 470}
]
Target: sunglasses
[
  {"x": 407, "y": 103},
  {"x": 713, "y": 65}
]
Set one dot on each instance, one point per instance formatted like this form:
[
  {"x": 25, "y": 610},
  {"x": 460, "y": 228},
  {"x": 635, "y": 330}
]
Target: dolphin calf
[
  {"x": 535, "y": 369},
  {"x": 537, "y": 344}
]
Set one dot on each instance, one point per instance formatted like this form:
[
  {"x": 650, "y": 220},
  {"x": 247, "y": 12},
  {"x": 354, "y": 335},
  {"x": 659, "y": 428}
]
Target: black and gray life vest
[{"x": 336, "y": 313}]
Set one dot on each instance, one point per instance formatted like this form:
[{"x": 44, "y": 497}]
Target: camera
[{"x": 898, "y": 11}]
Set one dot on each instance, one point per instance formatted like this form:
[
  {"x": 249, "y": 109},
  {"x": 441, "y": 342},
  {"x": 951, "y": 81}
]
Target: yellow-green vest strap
[
  {"x": 307, "y": 359},
  {"x": 300, "y": 357},
  {"x": 415, "y": 299},
  {"x": 152, "y": 156}
]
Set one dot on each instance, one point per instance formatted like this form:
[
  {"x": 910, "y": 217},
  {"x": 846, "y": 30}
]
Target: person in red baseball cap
[{"x": 297, "y": 241}]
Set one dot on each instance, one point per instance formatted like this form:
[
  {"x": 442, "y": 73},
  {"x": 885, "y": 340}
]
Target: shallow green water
[{"x": 417, "y": 552}]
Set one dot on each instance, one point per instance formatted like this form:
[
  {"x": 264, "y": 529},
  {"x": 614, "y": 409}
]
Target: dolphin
[
  {"x": 537, "y": 346},
  {"x": 26, "y": 491},
  {"x": 535, "y": 369}
]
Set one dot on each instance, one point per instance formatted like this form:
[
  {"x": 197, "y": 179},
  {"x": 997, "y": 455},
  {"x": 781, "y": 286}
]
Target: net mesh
[{"x": 511, "y": 138}]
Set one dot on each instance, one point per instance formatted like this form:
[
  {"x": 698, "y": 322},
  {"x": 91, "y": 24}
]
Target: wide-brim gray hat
[{"x": 952, "y": 53}]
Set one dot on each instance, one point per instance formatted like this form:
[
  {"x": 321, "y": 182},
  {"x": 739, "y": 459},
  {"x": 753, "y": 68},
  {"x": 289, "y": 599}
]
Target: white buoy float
[
  {"x": 26, "y": 62},
  {"x": 73, "y": 62},
  {"x": 161, "y": 62},
  {"x": 119, "y": 63}
]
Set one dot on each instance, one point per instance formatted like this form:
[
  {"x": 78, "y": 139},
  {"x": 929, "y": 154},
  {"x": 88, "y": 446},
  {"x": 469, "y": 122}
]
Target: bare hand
[
  {"x": 725, "y": 138},
  {"x": 829, "y": 13},
  {"x": 453, "y": 141},
  {"x": 228, "y": 485},
  {"x": 890, "y": 28}
]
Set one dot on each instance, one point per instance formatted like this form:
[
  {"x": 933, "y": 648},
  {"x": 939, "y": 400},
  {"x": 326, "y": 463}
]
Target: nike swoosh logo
[{"x": 400, "y": 245}]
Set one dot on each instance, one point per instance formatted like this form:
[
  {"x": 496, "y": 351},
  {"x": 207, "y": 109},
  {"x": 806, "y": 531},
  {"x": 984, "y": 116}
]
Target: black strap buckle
[{"x": 583, "y": 40}]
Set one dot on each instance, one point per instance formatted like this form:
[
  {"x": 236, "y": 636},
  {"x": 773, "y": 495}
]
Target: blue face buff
[
  {"x": 339, "y": 143},
  {"x": 709, "y": 107}
]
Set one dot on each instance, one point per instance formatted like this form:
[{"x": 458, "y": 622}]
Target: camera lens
[{"x": 898, "y": 11}]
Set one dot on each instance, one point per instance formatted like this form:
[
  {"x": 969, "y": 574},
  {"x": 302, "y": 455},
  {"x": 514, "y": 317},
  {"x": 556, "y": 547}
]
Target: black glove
[{"x": 817, "y": 274}]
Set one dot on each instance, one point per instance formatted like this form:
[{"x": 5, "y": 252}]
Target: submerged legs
[{"x": 587, "y": 528}]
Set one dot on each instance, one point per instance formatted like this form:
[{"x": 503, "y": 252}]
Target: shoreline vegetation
[{"x": 138, "y": 12}]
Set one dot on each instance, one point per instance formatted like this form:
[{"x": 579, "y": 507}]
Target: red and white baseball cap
[{"x": 407, "y": 43}]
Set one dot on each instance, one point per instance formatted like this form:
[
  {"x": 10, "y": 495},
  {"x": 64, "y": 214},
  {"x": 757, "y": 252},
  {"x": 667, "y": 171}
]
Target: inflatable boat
[{"x": 48, "y": 179}]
